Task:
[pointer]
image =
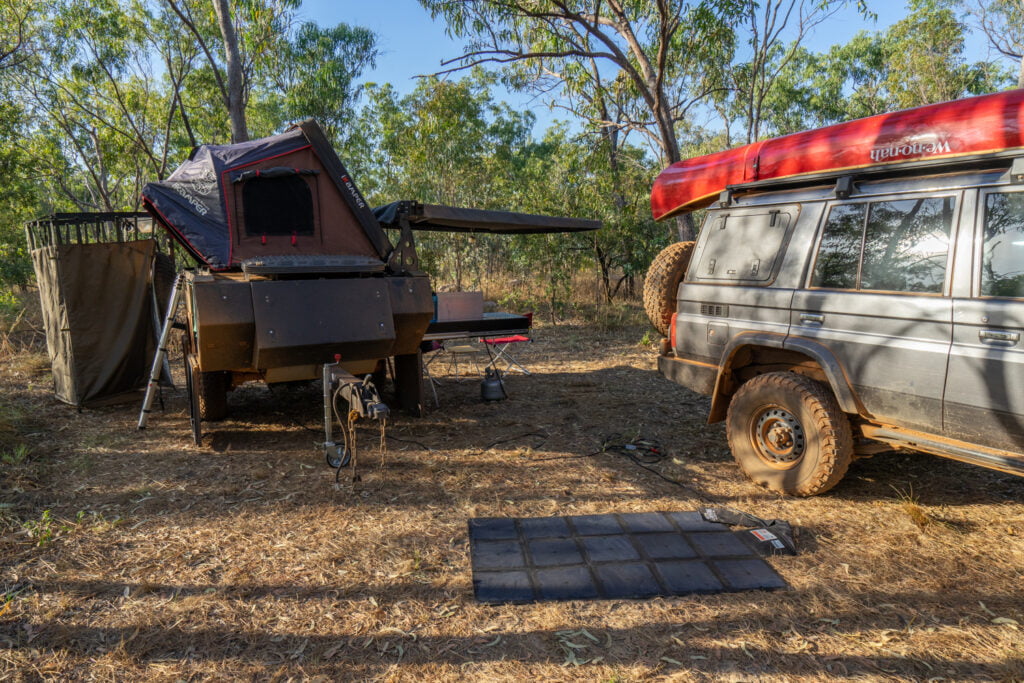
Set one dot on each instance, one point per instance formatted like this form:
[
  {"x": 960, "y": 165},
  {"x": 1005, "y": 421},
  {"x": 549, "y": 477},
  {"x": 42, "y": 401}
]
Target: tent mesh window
[{"x": 278, "y": 206}]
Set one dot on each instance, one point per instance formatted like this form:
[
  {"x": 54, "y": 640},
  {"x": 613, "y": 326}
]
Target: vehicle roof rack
[{"x": 844, "y": 180}]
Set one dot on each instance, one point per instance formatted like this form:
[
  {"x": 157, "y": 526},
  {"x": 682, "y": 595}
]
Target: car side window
[
  {"x": 890, "y": 246},
  {"x": 1002, "y": 253},
  {"x": 839, "y": 253}
]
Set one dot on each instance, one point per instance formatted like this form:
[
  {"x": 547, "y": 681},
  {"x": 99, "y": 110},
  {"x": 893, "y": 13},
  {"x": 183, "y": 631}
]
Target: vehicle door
[
  {"x": 985, "y": 396},
  {"x": 731, "y": 285},
  {"x": 877, "y": 298}
]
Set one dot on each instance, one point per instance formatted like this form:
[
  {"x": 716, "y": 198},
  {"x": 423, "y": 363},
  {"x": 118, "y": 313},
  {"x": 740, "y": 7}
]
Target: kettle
[{"x": 491, "y": 386}]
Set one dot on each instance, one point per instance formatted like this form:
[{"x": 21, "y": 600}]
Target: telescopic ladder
[{"x": 161, "y": 351}]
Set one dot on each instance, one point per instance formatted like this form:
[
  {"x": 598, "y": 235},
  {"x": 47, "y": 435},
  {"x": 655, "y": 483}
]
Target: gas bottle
[{"x": 491, "y": 386}]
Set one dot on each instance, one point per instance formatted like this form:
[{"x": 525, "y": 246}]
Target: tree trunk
[
  {"x": 235, "y": 103},
  {"x": 604, "y": 270},
  {"x": 685, "y": 228}
]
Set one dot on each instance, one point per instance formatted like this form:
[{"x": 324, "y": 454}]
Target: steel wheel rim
[{"x": 778, "y": 437}]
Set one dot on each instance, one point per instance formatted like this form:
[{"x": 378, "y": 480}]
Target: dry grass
[{"x": 135, "y": 556}]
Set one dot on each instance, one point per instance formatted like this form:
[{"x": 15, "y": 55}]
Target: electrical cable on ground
[
  {"x": 642, "y": 452},
  {"x": 543, "y": 439},
  {"x": 412, "y": 441}
]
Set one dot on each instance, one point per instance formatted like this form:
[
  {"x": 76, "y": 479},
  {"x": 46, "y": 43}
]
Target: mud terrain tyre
[
  {"x": 662, "y": 283},
  {"x": 788, "y": 434}
]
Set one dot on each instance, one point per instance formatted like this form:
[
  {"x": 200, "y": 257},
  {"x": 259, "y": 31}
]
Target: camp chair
[
  {"x": 502, "y": 346},
  {"x": 432, "y": 348},
  {"x": 454, "y": 351}
]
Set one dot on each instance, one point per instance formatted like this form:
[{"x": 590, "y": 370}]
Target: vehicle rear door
[
  {"x": 878, "y": 300},
  {"x": 985, "y": 395},
  {"x": 731, "y": 284}
]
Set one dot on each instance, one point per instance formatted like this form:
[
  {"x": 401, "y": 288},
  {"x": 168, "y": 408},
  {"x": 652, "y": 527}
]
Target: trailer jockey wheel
[
  {"x": 191, "y": 370},
  {"x": 338, "y": 457}
]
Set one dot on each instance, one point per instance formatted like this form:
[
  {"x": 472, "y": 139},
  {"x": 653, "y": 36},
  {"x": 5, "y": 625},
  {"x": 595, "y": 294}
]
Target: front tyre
[{"x": 788, "y": 434}]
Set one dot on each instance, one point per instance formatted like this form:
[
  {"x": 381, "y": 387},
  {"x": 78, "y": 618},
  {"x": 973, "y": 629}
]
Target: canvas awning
[{"x": 437, "y": 217}]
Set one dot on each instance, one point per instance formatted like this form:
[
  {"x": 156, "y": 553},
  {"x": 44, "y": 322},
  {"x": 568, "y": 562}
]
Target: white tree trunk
[{"x": 235, "y": 103}]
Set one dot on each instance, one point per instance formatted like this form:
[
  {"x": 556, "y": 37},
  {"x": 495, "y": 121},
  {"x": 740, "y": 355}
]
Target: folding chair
[
  {"x": 501, "y": 345},
  {"x": 453, "y": 351},
  {"x": 433, "y": 348},
  {"x": 457, "y": 349}
]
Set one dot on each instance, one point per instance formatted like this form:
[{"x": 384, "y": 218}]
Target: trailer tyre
[
  {"x": 212, "y": 391},
  {"x": 788, "y": 434},
  {"x": 662, "y": 283}
]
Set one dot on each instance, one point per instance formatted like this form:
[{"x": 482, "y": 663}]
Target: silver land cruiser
[{"x": 848, "y": 313}]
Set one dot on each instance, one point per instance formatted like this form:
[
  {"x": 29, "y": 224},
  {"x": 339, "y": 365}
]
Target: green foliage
[
  {"x": 918, "y": 60},
  {"x": 111, "y": 94},
  {"x": 1002, "y": 22},
  {"x": 44, "y": 530},
  {"x": 318, "y": 73},
  {"x": 15, "y": 266},
  {"x": 17, "y": 455},
  {"x": 48, "y": 528},
  {"x": 102, "y": 96}
]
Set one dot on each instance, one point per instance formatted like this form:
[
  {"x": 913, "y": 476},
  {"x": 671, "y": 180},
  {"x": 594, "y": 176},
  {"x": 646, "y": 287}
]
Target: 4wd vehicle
[{"x": 854, "y": 289}]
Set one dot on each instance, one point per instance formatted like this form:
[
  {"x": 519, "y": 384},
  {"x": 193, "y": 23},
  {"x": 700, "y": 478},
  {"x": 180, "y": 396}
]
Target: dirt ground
[{"x": 129, "y": 555}]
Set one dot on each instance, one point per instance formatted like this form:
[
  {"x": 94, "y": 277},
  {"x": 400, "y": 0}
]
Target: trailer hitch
[{"x": 347, "y": 399}]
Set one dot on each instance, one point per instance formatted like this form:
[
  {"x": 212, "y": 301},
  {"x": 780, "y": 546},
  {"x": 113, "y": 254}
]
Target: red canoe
[{"x": 989, "y": 123}]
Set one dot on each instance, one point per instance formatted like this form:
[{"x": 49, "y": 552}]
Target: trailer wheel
[
  {"x": 212, "y": 392},
  {"x": 788, "y": 434},
  {"x": 661, "y": 284}
]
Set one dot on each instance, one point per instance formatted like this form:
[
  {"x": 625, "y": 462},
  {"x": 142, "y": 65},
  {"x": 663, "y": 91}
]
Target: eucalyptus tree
[
  {"x": 659, "y": 51},
  {"x": 920, "y": 59},
  {"x": 447, "y": 142},
  {"x": 89, "y": 85},
  {"x": 770, "y": 35},
  {"x": 235, "y": 45},
  {"x": 317, "y": 75},
  {"x": 17, "y": 23},
  {"x": 1002, "y": 22}
]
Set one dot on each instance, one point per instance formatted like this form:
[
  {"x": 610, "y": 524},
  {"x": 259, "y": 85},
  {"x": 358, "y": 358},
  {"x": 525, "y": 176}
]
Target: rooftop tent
[{"x": 287, "y": 194}]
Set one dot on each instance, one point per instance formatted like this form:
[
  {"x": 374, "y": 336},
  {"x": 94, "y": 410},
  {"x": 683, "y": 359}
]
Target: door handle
[
  {"x": 999, "y": 337},
  {"x": 812, "y": 318}
]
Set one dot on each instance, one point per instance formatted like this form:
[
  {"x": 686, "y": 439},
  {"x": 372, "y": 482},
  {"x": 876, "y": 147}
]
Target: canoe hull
[{"x": 977, "y": 125}]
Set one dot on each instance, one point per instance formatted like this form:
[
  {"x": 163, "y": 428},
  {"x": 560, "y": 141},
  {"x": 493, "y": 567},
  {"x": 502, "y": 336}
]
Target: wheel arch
[{"x": 754, "y": 353}]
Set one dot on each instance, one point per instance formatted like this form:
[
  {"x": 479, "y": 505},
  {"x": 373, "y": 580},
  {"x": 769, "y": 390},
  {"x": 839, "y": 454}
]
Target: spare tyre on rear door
[{"x": 661, "y": 285}]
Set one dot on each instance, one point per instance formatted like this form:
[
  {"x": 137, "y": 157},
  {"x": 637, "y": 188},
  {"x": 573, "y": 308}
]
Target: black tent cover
[{"x": 190, "y": 203}]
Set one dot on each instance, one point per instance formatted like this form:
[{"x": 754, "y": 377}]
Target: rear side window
[
  {"x": 1002, "y": 254},
  {"x": 742, "y": 246},
  {"x": 890, "y": 246}
]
